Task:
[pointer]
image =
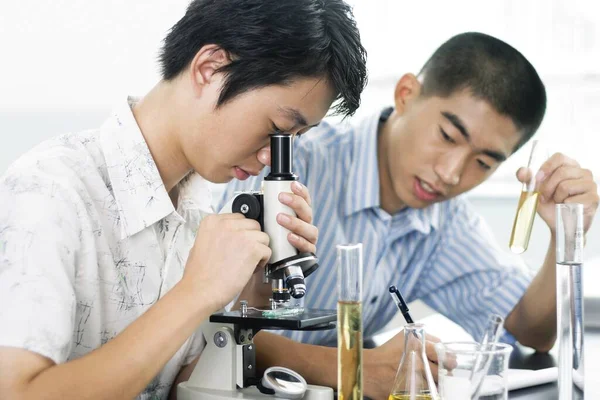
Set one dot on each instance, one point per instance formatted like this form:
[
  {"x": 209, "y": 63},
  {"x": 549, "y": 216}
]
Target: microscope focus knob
[{"x": 248, "y": 205}]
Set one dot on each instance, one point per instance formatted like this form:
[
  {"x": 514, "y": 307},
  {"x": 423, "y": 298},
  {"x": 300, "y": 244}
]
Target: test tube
[
  {"x": 491, "y": 335},
  {"x": 528, "y": 202},
  {"x": 492, "y": 332},
  {"x": 569, "y": 300},
  {"x": 349, "y": 322}
]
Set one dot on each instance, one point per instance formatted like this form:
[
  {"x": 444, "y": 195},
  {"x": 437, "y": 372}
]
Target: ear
[
  {"x": 209, "y": 59},
  {"x": 408, "y": 88}
]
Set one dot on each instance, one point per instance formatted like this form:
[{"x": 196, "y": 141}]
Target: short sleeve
[
  {"x": 470, "y": 276},
  {"x": 38, "y": 250}
]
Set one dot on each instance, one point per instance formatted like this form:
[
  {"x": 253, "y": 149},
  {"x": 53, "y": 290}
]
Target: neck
[
  {"x": 389, "y": 201},
  {"x": 157, "y": 118}
]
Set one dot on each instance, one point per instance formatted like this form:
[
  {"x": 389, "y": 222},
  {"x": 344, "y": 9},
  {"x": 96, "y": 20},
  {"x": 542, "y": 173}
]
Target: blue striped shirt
[{"x": 444, "y": 254}]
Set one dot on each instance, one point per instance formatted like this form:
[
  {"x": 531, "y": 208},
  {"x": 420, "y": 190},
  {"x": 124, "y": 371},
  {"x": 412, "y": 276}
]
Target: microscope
[{"x": 227, "y": 366}]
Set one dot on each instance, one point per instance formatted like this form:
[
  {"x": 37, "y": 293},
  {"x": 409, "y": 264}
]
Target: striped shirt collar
[{"x": 363, "y": 189}]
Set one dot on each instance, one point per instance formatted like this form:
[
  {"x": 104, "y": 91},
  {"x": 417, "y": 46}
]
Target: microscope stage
[{"x": 310, "y": 319}]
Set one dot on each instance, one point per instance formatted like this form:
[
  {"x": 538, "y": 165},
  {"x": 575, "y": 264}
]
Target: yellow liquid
[
  {"x": 419, "y": 396},
  {"x": 350, "y": 343},
  {"x": 519, "y": 239}
]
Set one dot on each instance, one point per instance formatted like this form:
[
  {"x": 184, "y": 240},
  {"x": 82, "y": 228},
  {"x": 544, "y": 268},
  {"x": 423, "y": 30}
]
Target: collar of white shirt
[{"x": 141, "y": 196}]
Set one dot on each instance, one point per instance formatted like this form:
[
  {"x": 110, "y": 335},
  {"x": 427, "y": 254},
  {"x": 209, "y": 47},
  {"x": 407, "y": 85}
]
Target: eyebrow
[
  {"x": 295, "y": 115},
  {"x": 458, "y": 124}
]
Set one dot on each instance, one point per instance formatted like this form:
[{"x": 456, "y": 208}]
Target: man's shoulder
[
  {"x": 326, "y": 136},
  {"x": 62, "y": 161}
]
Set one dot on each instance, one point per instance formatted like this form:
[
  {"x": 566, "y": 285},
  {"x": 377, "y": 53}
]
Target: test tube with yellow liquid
[
  {"x": 349, "y": 322},
  {"x": 528, "y": 202}
]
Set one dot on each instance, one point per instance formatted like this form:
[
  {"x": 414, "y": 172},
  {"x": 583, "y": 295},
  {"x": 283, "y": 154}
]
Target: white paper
[{"x": 522, "y": 378}]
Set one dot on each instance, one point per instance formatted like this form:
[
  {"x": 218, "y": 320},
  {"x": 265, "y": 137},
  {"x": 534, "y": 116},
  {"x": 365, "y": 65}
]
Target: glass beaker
[
  {"x": 349, "y": 322},
  {"x": 460, "y": 375},
  {"x": 413, "y": 379},
  {"x": 569, "y": 300},
  {"x": 528, "y": 202}
]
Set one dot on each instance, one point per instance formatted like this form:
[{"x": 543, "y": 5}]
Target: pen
[{"x": 395, "y": 293}]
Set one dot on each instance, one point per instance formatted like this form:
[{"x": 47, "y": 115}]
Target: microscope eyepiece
[{"x": 281, "y": 159}]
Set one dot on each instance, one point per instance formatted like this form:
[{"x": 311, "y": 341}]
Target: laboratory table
[{"x": 524, "y": 358}]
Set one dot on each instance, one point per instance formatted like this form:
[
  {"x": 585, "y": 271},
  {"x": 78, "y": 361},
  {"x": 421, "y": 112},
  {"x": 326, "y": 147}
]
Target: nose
[
  {"x": 264, "y": 155},
  {"x": 450, "y": 168}
]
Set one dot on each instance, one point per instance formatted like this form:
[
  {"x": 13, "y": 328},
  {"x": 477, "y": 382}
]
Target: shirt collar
[
  {"x": 363, "y": 178},
  {"x": 422, "y": 219},
  {"x": 141, "y": 196}
]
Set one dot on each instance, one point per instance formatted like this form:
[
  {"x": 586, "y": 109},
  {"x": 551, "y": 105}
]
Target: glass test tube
[
  {"x": 569, "y": 300},
  {"x": 349, "y": 322},
  {"x": 521, "y": 232}
]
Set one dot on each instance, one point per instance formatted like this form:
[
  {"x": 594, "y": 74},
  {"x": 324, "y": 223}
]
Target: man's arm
[
  {"x": 318, "y": 364},
  {"x": 121, "y": 368},
  {"x": 124, "y": 366},
  {"x": 533, "y": 320}
]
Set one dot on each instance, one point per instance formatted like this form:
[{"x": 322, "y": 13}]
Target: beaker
[
  {"x": 461, "y": 377},
  {"x": 569, "y": 300},
  {"x": 414, "y": 380},
  {"x": 349, "y": 322},
  {"x": 528, "y": 202}
]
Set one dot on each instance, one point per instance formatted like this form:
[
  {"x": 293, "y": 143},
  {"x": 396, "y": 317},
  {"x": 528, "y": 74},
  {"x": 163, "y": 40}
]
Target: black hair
[
  {"x": 272, "y": 42},
  {"x": 493, "y": 71}
]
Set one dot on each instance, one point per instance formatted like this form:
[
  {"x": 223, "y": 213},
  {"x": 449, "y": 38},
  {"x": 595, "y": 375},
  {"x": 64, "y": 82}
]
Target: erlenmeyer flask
[{"x": 413, "y": 379}]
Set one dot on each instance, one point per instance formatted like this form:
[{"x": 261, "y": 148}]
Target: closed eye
[
  {"x": 276, "y": 130},
  {"x": 483, "y": 165},
  {"x": 446, "y": 137}
]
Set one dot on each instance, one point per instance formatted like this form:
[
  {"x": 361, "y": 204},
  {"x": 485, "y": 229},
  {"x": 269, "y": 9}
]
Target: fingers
[
  {"x": 227, "y": 216},
  {"x": 261, "y": 251},
  {"x": 564, "y": 182},
  {"x": 263, "y": 254},
  {"x": 298, "y": 204},
  {"x": 432, "y": 338},
  {"x": 244, "y": 224},
  {"x": 524, "y": 174},
  {"x": 553, "y": 163},
  {"x": 303, "y": 245},
  {"x": 434, "y": 371},
  {"x": 304, "y": 234},
  {"x": 258, "y": 236},
  {"x": 302, "y": 191},
  {"x": 299, "y": 227},
  {"x": 430, "y": 352}
]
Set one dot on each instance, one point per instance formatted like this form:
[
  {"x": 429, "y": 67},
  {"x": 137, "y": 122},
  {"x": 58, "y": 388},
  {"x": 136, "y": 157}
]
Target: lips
[
  {"x": 241, "y": 174},
  {"x": 424, "y": 192}
]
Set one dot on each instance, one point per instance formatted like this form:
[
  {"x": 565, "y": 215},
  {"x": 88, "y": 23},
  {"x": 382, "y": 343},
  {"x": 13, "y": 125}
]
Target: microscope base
[{"x": 188, "y": 392}]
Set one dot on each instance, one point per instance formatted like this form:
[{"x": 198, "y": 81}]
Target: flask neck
[{"x": 414, "y": 338}]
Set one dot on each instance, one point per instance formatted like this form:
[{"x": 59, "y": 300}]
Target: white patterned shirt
[{"x": 89, "y": 240}]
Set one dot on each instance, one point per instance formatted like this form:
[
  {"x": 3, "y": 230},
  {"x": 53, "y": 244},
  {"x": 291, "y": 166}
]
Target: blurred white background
[{"x": 64, "y": 63}]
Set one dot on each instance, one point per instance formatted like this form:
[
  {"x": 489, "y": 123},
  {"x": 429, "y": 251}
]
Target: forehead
[{"x": 486, "y": 126}]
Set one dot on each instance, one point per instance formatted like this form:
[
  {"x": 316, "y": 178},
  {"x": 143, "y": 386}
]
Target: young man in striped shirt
[{"x": 391, "y": 182}]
